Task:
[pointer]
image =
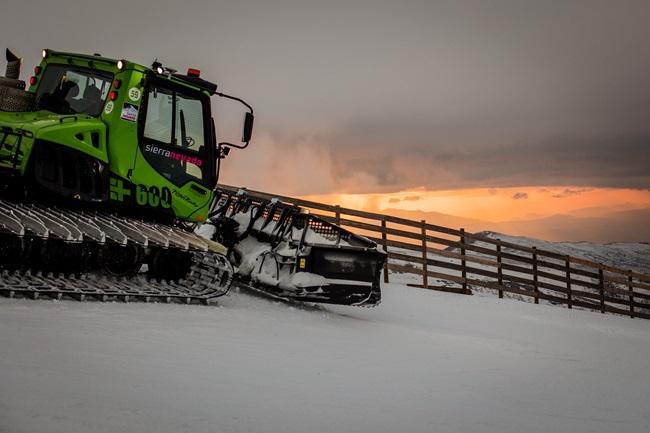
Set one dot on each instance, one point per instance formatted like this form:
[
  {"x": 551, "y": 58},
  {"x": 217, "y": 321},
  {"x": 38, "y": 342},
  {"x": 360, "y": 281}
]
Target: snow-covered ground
[{"x": 422, "y": 361}]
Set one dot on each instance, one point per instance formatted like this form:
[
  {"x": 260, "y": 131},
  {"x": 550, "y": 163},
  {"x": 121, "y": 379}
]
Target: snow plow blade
[{"x": 284, "y": 251}]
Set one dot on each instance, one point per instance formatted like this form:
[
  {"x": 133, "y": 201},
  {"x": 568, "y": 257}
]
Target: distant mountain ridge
[
  {"x": 626, "y": 255},
  {"x": 618, "y": 226}
]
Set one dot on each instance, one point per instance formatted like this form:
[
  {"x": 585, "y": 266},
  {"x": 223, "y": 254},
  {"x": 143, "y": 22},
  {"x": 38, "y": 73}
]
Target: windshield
[{"x": 70, "y": 90}]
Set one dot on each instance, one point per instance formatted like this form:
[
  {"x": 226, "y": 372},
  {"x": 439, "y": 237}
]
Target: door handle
[{"x": 198, "y": 189}]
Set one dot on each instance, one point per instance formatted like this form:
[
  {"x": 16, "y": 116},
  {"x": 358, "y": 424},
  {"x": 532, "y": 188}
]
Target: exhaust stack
[
  {"x": 13, "y": 96},
  {"x": 13, "y": 65}
]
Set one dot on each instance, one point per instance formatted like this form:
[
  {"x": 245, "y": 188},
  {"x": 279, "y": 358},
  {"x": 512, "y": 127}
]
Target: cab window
[
  {"x": 158, "y": 125},
  {"x": 175, "y": 119},
  {"x": 189, "y": 117},
  {"x": 70, "y": 90}
]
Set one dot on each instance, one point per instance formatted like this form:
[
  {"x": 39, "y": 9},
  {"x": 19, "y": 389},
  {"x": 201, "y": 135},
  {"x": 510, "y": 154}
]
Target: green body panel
[
  {"x": 73, "y": 131},
  {"x": 133, "y": 179},
  {"x": 15, "y": 122}
]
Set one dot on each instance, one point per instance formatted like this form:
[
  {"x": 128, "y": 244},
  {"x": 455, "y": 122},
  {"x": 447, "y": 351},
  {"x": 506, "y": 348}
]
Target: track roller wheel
[
  {"x": 169, "y": 264},
  {"x": 123, "y": 260},
  {"x": 61, "y": 257},
  {"x": 11, "y": 252}
]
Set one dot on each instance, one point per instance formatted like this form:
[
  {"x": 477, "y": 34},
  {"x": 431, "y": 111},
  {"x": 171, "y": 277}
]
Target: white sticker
[
  {"x": 129, "y": 112},
  {"x": 134, "y": 94},
  {"x": 109, "y": 107}
]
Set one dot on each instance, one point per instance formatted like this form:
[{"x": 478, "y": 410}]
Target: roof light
[
  {"x": 120, "y": 64},
  {"x": 33, "y": 80},
  {"x": 113, "y": 95},
  {"x": 191, "y": 72},
  {"x": 44, "y": 53},
  {"x": 157, "y": 66}
]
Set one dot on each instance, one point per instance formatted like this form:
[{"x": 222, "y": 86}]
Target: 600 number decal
[
  {"x": 144, "y": 196},
  {"x": 153, "y": 196}
]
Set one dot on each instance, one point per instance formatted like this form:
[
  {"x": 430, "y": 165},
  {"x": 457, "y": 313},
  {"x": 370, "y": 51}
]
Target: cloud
[
  {"x": 610, "y": 160},
  {"x": 343, "y": 159},
  {"x": 394, "y": 200},
  {"x": 571, "y": 192},
  {"x": 412, "y": 198},
  {"x": 520, "y": 196},
  {"x": 271, "y": 164}
]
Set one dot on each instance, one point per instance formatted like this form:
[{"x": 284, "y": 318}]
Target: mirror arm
[
  {"x": 238, "y": 146},
  {"x": 223, "y": 95},
  {"x": 234, "y": 98}
]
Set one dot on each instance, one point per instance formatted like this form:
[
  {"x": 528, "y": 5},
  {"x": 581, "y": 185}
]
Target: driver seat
[{"x": 91, "y": 100}]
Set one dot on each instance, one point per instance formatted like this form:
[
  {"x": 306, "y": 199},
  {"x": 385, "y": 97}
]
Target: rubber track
[
  {"x": 199, "y": 287},
  {"x": 210, "y": 276}
]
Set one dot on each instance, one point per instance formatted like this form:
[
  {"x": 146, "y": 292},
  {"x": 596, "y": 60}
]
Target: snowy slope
[
  {"x": 422, "y": 361},
  {"x": 625, "y": 255}
]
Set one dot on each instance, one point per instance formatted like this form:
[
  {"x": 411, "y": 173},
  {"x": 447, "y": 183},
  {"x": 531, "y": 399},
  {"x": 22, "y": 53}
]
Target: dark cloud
[
  {"x": 412, "y": 198},
  {"x": 520, "y": 196},
  {"x": 394, "y": 200},
  {"x": 570, "y": 192},
  {"x": 605, "y": 161}
]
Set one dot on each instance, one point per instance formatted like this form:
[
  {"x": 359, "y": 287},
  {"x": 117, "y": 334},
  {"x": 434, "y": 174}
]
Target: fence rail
[{"x": 461, "y": 260}]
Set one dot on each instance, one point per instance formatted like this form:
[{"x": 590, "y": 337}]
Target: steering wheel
[{"x": 189, "y": 141}]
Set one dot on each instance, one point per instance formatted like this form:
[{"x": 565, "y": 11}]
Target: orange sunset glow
[
  {"x": 554, "y": 213},
  {"x": 502, "y": 204}
]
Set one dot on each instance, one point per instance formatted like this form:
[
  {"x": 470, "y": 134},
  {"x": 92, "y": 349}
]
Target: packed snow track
[{"x": 422, "y": 361}]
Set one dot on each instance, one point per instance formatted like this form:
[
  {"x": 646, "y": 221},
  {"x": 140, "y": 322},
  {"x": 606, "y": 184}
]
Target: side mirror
[
  {"x": 248, "y": 127},
  {"x": 247, "y": 133}
]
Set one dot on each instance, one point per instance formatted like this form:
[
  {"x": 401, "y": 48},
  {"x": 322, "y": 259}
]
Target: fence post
[
  {"x": 535, "y": 285},
  {"x": 630, "y": 287},
  {"x": 385, "y": 245},
  {"x": 337, "y": 214},
  {"x": 499, "y": 270},
  {"x": 601, "y": 289},
  {"x": 463, "y": 264},
  {"x": 568, "y": 283},
  {"x": 425, "y": 270}
]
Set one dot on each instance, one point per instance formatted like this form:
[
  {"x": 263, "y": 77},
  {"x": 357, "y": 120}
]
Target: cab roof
[{"x": 108, "y": 64}]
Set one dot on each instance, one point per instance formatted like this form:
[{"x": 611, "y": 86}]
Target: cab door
[{"x": 175, "y": 159}]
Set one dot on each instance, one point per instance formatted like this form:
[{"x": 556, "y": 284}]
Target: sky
[
  {"x": 364, "y": 97},
  {"x": 502, "y": 204}
]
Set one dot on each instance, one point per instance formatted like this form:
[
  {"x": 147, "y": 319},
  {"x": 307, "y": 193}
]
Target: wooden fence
[{"x": 454, "y": 260}]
